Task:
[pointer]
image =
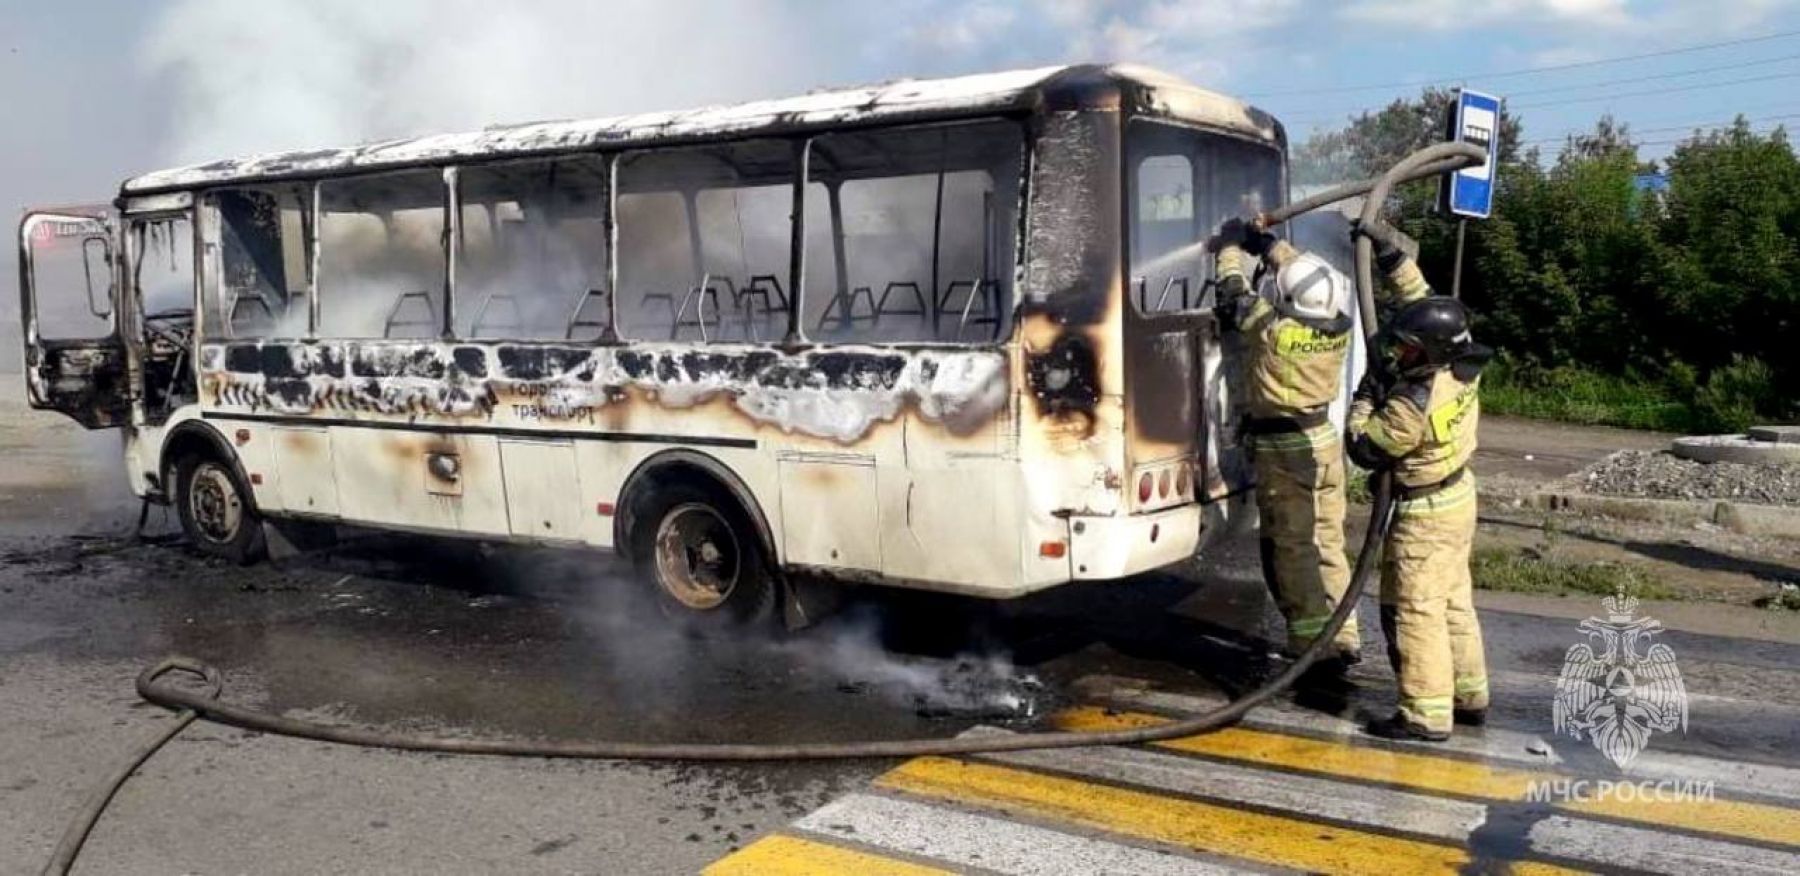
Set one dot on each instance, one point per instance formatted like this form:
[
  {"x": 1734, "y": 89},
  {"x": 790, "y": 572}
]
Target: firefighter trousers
[
  {"x": 1427, "y": 610},
  {"x": 1300, "y": 506}
]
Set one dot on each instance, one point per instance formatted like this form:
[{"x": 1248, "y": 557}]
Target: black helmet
[{"x": 1436, "y": 326}]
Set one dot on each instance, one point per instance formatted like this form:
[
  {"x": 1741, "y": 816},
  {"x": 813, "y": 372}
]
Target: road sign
[{"x": 1477, "y": 120}]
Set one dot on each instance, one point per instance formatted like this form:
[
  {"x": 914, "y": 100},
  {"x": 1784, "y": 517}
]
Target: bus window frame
[
  {"x": 451, "y": 240},
  {"x": 608, "y": 231},
  {"x": 449, "y": 209},
  {"x": 209, "y": 229},
  {"x": 1006, "y": 323},
  {"x": 1129, "y": 163},
  {"x": 801, "y": 147}
]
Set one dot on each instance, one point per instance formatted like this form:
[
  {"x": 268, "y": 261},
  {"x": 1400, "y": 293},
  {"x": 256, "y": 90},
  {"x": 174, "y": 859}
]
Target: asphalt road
[{"x": 449, "y": 638}]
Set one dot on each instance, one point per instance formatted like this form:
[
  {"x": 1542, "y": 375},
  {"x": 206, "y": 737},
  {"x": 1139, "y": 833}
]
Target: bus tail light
[
  {"x": 1053, "y": 550},
  {"x": 1144, "y": 486},
  {"x": 604, "y": 509},
  {"x": 1162, "y": 484},
  {"x": 1184, "y": 478}
]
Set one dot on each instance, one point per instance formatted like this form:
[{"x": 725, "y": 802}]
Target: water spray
[{"x": 157, "y": 683}]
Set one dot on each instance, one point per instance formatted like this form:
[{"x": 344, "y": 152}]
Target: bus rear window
[{"x": 1182, "y": 184}]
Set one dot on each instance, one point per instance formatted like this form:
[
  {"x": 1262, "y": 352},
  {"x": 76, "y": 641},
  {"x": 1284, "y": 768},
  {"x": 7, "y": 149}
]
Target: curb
[{"x": 1743, "y": 518}]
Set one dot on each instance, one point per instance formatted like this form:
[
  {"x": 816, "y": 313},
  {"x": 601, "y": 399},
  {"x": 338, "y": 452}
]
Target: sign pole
[{"x": 1462, "y": 230}]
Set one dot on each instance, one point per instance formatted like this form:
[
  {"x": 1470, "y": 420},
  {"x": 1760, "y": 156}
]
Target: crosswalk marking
[
  {"x": 1430, "y": 817},
  {"x": 783, "y": 855},
  {"x": 1419, "y": 771},
  {"x": 1729, "y": 818},
  {"x": 968, "y": 839},
  {"x": 1493, "y": 743},
  {"x": 1186, "y": 823},
  {"x": 1654, "y": 852}
]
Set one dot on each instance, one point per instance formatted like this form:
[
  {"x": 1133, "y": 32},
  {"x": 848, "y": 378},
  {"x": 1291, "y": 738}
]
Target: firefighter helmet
[
  {"x": 1310, "y": 288},
  {"x": 1436, "y": 326}
]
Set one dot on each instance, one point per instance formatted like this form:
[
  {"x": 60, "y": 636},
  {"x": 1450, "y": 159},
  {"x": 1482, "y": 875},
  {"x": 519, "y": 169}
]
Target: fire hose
[{"x": 191, "y": 704}]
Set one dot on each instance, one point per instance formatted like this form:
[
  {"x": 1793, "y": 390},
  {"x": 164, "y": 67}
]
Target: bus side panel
[
  {"x": 308, "y": 477},
  {"x": 828, "y": 504},
  {"x": 947, "y": 515},
  {"x": 604, "y": 467},
  {"x": 395, "y": 477}
]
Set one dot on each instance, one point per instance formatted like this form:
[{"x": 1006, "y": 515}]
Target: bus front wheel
[
  {"x": 216, "y": 511},
  {"x": 703, "y": 560}
]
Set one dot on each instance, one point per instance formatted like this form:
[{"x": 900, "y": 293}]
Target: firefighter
[
  {"x": 1296, "y": 347},
  {"x": 1415, "y": 415}
]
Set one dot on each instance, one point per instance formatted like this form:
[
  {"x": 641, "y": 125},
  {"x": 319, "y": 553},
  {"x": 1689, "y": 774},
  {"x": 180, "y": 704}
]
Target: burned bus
[{"x": 949, "y": 334}]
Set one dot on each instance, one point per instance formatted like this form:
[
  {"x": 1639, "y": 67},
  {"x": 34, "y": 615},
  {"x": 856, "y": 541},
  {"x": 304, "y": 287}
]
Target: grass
[
  {"x": 1785, "y": 599},
  {"x": 1575, "y": 395},
  {"x": 1356, "y": 486},
  {"x": 1517, "y": 571}
]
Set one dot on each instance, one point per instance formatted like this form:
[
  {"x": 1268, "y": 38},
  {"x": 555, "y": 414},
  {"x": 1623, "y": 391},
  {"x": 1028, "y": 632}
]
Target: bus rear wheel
[
  {"x": 703, "y": 561},
  {"x": 216, "y": 511}
]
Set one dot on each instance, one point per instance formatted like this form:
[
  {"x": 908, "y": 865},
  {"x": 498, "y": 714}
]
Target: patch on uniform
[
  {"x": 1294, "y": 339},
  {"x": 1447, "y": 417}
]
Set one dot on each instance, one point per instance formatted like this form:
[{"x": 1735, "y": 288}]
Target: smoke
[
  {"x": 247, "y": 78},
  {"x": 883, "y": 654}
]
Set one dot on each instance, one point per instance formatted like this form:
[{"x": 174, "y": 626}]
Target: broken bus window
[
  {"x": 533, "y": 250},
  {"x": 924, "y": 222},
  {"x": 381, "y": 256}
]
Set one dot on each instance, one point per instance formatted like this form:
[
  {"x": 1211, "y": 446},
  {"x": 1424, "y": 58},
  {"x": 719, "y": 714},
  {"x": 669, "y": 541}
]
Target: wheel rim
[
  {"x": 213, "y": 503},
  {"x": 697, "y": 556}
]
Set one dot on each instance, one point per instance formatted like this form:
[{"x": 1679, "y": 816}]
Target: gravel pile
[{"x": 1658, "y": 475}]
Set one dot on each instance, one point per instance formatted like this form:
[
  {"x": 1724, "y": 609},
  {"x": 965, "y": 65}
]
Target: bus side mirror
[{"x": 98, "y": 259}]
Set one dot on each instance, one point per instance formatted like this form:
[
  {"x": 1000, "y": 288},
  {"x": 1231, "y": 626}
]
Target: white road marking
[
  {"x": 1494, "y": 743},
  {"x": 1652, "y": 851},
  {"x": 1431, "y": 817},
  {"x": 967, "y": 839},
  {"x": 1420, "y": 814}
]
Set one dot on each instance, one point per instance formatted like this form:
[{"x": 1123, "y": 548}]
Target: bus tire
[
  {"x": 702, "y": 559},
  {"x": 217, "y": 511}
]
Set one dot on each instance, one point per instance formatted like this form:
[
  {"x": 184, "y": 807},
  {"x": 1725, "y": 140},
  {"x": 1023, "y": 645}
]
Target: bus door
[{"x": 75, "y": 361}]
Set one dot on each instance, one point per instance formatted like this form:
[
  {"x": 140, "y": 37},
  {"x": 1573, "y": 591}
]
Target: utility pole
[{"x": 1462, "y": 230}]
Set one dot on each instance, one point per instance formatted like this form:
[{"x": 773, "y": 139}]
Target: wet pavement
[{"x": 452, "y": 638}]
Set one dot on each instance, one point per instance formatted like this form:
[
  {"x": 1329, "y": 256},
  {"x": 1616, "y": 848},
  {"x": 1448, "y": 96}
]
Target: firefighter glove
[
  {"x": 1248, "y": 236},
  {"x": 1388, "y": 254}
]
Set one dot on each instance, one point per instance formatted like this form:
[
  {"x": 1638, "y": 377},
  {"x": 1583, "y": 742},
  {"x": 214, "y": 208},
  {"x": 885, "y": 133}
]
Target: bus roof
[{"x": 1067, "y": 87}]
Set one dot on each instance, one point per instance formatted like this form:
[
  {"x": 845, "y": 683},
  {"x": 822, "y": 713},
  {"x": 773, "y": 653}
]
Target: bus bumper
[{"x": 1105, "y": 548}]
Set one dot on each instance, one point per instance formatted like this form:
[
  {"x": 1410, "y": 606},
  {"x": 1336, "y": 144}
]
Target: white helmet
[{"x": 1310, "y": 288}]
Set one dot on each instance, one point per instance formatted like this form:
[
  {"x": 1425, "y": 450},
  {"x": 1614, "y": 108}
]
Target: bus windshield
[{"x": 1182, "y": 183}]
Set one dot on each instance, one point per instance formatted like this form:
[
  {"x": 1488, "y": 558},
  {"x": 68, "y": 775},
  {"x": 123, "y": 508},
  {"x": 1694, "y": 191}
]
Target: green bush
[
  {"x": 1731, "y": 399},
  {"x": 1734, "y": 396},
  {"x": 1672, "y": 308},
  {"x": 1578, "y": 395}
]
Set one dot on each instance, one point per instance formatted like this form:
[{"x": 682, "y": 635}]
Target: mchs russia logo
[{"x": 1628, "y": 689}]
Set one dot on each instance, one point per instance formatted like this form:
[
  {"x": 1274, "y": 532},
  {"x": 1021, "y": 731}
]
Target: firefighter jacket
[
  {"x": 1296, "y": 366},
  {"x": 1421, "y": 425}
]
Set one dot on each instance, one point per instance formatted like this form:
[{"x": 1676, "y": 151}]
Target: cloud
[
  {"x": 1553, "y": 19},
  {"x": 968, "y": 28}
]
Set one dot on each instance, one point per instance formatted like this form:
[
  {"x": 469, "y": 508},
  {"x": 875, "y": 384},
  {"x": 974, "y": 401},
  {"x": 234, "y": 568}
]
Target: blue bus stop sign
[{"x": 1476, "y": 120}]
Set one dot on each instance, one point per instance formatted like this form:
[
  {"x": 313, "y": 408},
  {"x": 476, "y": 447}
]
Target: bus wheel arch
[
  {"x": 206, "y": 483},
  {"x": 682, "y": 494}
]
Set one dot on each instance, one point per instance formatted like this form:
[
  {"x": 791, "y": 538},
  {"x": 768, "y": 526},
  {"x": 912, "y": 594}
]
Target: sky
[{"x": 100, "y": 90}]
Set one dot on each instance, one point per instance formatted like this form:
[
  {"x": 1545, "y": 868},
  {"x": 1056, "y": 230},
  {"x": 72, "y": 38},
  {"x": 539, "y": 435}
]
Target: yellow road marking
[
  {"x": 1205, "y": 827},
  {"x": 1730, "y": 818},
  {"x": 1298, "y": 752},
  {"x": 781, "y": 855}
]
